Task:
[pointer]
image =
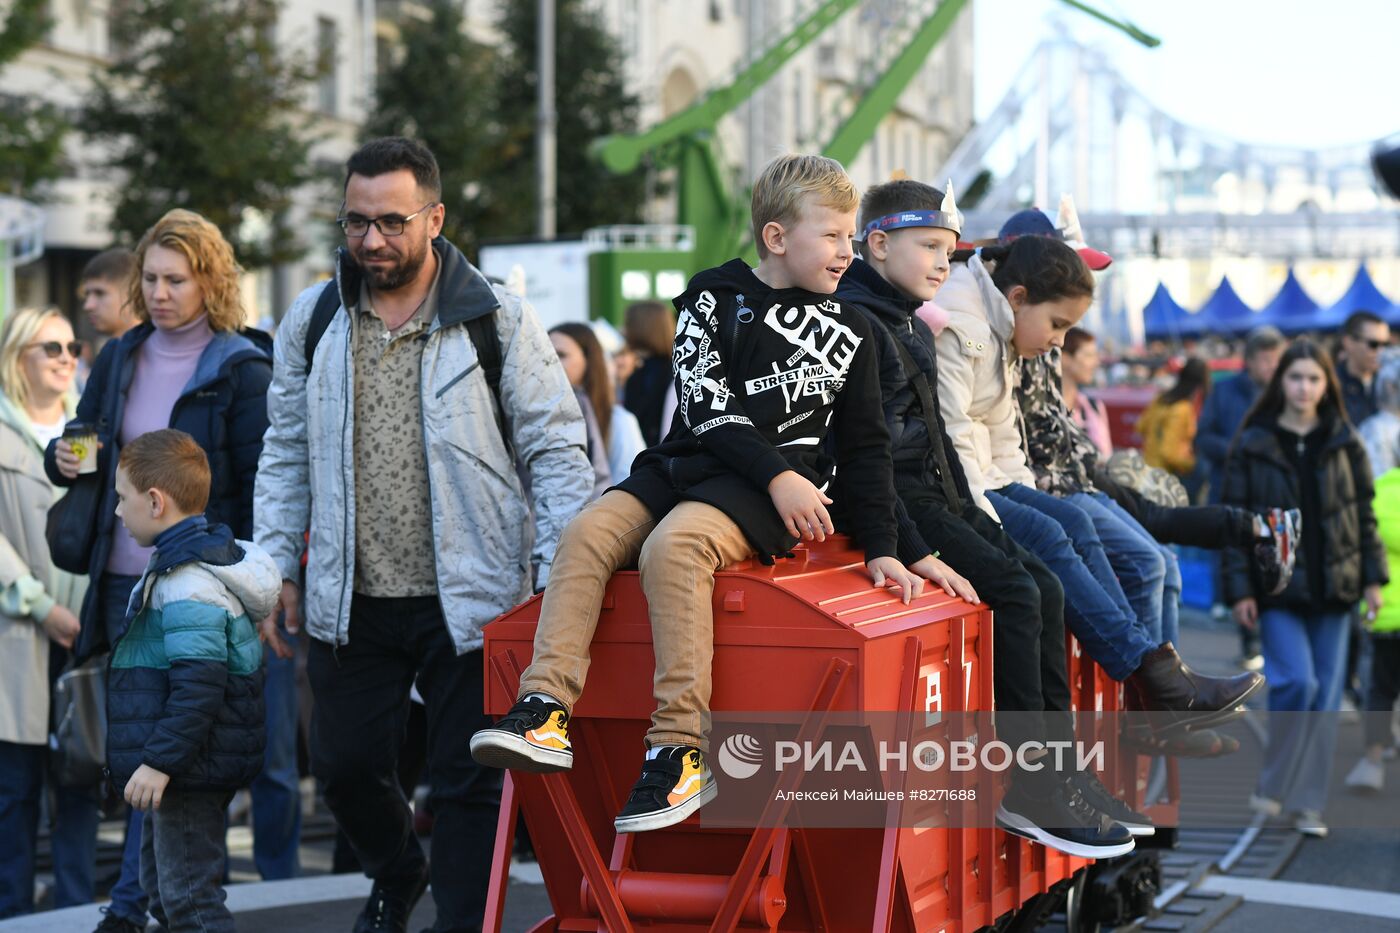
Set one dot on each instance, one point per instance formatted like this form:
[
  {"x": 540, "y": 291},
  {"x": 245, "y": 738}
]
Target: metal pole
[{"x": 545, "y": 142}]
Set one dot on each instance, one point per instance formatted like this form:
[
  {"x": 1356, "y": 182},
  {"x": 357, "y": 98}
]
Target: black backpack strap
[
  {"x": 482, "y": 331},
  {"x": 326, "y": 306}
]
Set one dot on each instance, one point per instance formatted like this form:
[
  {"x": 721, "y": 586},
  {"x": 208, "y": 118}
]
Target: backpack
[{"x": 481, "y": 331}]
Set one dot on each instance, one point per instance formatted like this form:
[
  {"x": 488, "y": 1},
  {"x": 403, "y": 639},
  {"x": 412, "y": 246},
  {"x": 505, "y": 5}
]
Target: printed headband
[{"x": 947, "y": 217}]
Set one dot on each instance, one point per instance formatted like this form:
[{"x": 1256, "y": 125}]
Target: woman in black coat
[{"x": 1297, "y": 450}]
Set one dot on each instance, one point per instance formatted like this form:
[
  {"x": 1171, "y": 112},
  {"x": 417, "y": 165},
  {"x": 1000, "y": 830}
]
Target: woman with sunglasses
[
  {"x": 191, "y": 365},
  {"x": 38, "y": 358}
]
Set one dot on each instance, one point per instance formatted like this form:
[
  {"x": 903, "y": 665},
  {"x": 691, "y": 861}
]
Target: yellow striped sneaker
[
  {"x": 533, "y": 736},
  {"x": 673, "y": 785}
]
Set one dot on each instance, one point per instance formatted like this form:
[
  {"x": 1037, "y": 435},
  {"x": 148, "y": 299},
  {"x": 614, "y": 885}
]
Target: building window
[{"x": 327, "y": 89}]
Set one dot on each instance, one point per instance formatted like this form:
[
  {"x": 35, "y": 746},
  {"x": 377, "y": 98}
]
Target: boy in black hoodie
[
  {"x": 909, "y": 233},
  {"x": 765, "y": 361}
]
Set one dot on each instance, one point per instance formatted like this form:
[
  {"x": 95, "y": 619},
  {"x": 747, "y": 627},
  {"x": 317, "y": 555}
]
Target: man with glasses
[
  {"x": 1363, "y": 337},
  {"x": 396, "y": 449}
]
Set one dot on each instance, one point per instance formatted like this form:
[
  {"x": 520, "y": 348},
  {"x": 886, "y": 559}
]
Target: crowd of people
[{"x": 413, "y": 454}]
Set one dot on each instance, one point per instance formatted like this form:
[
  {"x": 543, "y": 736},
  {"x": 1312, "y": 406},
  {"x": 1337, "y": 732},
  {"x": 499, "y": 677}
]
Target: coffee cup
[{"x": 82, "y": 439}]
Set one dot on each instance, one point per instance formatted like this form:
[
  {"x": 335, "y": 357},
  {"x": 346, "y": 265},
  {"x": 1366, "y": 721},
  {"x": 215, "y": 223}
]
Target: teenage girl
[{"x": 1298, "y": 450}]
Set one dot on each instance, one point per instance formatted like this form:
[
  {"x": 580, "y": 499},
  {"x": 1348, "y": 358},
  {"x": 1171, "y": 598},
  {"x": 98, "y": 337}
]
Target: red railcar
[{"x": 807, "y": 635}]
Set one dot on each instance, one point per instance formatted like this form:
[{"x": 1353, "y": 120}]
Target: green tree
[
  {"x": 31, "y": 131},
  {"x": 591, "y": 100},
  {"x": 437, "y": 90},
  {"x": 201, "y": 110}
]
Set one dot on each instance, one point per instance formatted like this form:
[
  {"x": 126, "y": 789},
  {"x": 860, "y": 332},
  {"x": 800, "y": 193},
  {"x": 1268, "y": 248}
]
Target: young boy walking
[
  {"x": 909, "y": 232},
  {"x": 765, "y": 362},
  {"x": 184, "y": 702}
]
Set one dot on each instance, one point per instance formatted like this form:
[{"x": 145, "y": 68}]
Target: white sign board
[{"x": 555, "y": 276}]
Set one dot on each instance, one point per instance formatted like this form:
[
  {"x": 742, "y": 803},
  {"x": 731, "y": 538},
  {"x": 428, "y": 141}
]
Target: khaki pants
[{"x": 677, "y": 558}]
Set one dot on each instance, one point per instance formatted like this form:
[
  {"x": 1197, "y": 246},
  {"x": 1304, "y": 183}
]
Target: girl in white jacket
[{"x": 1018, "y": 300}]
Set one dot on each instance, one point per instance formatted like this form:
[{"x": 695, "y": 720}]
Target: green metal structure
[{"x": 687, "y": 140}]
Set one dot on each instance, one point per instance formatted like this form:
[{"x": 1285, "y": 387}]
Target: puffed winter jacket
[
  {"x": 977, "y": 377},
  {"x": 1259, "y": 476},
  {"x": 185, "y": 688},
  {"x": 481, "y": 518}
]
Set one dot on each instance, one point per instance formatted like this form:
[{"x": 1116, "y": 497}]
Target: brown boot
[
  {"x": 1201, "y": 743},
  {"x": 1183, "y": 698}
]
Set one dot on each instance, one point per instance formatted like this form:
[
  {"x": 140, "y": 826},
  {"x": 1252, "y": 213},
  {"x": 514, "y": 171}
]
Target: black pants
[
  {"x": 358, "y": 726},
  {"x": 1385, "y": 688},
  {"x": 1028, "y": 634},
  {"x": 1204, "y": 526}
]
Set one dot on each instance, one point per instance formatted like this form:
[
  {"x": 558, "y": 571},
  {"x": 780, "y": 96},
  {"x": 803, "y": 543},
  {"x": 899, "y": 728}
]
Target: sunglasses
[
  {"x": 1375, "y": 344},
  {"x": 53, "y": 349}
]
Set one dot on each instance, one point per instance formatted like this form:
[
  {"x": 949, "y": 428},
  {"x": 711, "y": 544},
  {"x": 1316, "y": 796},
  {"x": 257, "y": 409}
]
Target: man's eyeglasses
[
  {"x": 53, "y": 349},
  {"x": 1376, "y": 344},
  {"x": 388, "y": 225}
]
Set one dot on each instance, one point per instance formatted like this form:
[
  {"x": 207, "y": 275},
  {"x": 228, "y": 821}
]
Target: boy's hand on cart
[
  {"x": 888, "y": 570},
  {"x": 953, "y": 583},
  {"x": 1373, "y": 603},
  {"x": 1246, "y": 613},
  {"x": 801, "y": 506}
]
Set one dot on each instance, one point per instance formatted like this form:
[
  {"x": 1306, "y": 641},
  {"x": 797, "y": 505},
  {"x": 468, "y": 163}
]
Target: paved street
[{"x": 1349, "y": 881}]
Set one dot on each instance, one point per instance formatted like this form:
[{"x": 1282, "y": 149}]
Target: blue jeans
[
  {"x": 182, "y": 862},
  {"x": 1095, "y": 607},
  {"x": 276, "y": 792},
  {"x": 128, "y": 899},
  {"x": 74, "y": 835},
  {"x": 1139, "y": 562},
  {"x": 1305, "y": 658}
]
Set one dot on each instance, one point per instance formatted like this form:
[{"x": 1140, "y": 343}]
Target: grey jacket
[{"x": 482, "y": 527}]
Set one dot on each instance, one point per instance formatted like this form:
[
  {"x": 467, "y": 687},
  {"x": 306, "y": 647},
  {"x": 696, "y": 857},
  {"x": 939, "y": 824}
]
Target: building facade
[{"x": 673, "y": 52}]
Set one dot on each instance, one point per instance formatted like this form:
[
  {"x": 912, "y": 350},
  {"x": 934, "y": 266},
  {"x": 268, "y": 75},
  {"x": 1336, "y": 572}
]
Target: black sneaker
[
  {"x": 111, "y": 923},
  {"x": 1275, "y": 555},
  {"x": 533, "y": 736},
  {"x": 673, "y": 785},
  {"x": 1102, "y": 799},
  {"x": 1064, "y": 821},
  {"x": 390, "y": 904}
]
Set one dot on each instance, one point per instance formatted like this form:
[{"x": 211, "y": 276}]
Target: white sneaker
[
  {"x": 1309, "y": 823},
  {"x": 1265, "y": 805},
  {"x": 1368, "y": 776}
]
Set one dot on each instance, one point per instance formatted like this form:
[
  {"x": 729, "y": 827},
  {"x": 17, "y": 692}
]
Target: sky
[{"x": 1282, "y": 72}]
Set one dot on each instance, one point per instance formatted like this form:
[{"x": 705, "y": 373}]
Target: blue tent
[
  {"x": 1292, "y": 310},
  {"x": 1164, "y": 319},
  {"x": 1226, "y": 313},
  {"x": 1361, "y": 296}
]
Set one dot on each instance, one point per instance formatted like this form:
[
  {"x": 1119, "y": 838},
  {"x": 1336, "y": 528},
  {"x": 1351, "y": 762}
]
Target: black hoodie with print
[{"x": 761, "y": 374}]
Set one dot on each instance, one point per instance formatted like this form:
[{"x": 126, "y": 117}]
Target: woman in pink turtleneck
[{"x": 189, "y": 365}]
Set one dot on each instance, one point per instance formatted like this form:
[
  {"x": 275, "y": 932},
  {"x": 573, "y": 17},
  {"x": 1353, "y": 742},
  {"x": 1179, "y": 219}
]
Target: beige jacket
[
  {"x": 29, "y": 583},
  {"x": 976, "y": 382}
]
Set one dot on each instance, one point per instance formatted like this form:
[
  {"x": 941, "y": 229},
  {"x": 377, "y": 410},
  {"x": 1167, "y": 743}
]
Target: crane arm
[
  {"x": 881, "y": 98},
  {"x": 622, "y": 153}
]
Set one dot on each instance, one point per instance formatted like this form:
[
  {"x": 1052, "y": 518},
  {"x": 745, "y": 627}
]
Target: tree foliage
[
  {"x": 200, "y": 109},
  {"x": 591, "y": 100},
  {"x": 475, "y": 106},
  {"x": 437, "y": 89},
  {"x": 31, "y": 131}
]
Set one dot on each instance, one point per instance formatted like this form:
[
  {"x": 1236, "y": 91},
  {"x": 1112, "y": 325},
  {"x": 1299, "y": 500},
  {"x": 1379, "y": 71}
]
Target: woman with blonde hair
[
  {"x": 38, "y": 360},
  {"x": 189, "y": 365}
]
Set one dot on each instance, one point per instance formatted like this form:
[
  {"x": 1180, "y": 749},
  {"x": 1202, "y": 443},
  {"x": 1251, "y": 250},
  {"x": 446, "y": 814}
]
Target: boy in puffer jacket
[{"x": 185, "y": 702}]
